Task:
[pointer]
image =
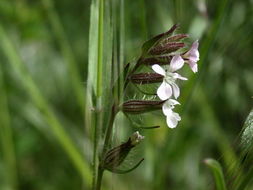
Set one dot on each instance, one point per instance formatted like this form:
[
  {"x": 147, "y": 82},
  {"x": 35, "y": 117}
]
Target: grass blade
[
  {"x": 6, "y": 138},
  {"x": 99, "y": 75},
  {"x": 91, "y": 114},
  {"x": 66, "y": 51},
  {"x": 244, "y": 182},
  {"x": 33, "y": 91},
  {"x": 217, "y": 173}
]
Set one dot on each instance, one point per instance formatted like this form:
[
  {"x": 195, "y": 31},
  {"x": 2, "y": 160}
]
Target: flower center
[{"x": 169, "y": 77}]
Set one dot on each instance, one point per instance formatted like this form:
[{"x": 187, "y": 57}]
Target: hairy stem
[{"x": 107, "y": 141}]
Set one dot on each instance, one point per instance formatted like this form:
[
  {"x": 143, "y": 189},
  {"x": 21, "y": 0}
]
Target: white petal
[
  {"x": 176, "y": 90},
  {"x": 176, "y": 116},
  {"x": 172, "y": 119},
  {"x": 176, "y": 63},
  {"x": 194, "y": 56},
  {"x": 178, "y": 76},
  {"x": 158, "y": 69},
  {"x": 194, "y": 66},
  {"x": 166, "y": 109},
  {"x": 193, "y": 53},
  {"x": 172, "y": 102},
  {"x": 195, "y": 45},
  {"x": 164, "y": 91},
  {"x": 168, "y": 106}
]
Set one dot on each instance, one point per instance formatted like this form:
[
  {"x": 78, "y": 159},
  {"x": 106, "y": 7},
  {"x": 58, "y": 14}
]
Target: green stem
[
  {"x": 95, "y": 157},
  {"x": 99, "y": 178},
  {"x": 109, "y": 129},
  {"x": 99, "y": 172},
  {"x": 98, "y": 91}
]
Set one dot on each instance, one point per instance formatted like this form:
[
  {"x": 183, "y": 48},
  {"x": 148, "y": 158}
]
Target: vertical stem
[
  {"x": 99, "y": 172},
  {"x": 95, "y": 158},
  {"x": 99, "y": 178},
  {"x": 99, "y": 83},
  {"x": 109, "y": 129}
]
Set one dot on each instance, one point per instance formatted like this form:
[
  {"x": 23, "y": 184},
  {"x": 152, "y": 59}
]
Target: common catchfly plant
[{"x": 164, "y": 55}]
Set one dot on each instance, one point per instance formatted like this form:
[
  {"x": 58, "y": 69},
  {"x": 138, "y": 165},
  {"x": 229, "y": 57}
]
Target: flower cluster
[
  {"x": 169, "y": 88},
  {"x": 166, "y": 54}
]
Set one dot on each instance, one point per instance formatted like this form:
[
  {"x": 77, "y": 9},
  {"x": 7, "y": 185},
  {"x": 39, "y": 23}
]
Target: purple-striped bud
[
  {"x": 161, "y": 60},
  {"x": 164, "y": 43},
  {"x": 151, "y": 43},
  {"x": 141, "y": 106},
  {"x": 114, "y": 157},
  {"x": 166, "y": 48},
  {"x": 174, "y": 38},
  {"x": 146, "y": 78}
]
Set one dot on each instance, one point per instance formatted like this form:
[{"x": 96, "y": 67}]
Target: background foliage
[{"x": 43, "y": 72}]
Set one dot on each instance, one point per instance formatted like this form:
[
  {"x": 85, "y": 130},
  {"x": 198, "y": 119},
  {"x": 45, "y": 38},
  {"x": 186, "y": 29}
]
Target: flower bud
[
  {"x": 166, "y": 48},
  {"x": 146, "y": 78},
  {"x": 175, "y": 38},
  {"x": 114, "y": 157},
  {"x": 151, "y": 43},
  {"x": 141, "y": 106},
  {"x": 161, "y": 60}
]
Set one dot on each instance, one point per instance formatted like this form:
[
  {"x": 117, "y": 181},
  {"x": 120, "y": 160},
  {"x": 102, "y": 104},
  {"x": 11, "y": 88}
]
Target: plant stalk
[
  {"x": 99, "y": 178},
  {"x": 108, "y": 135}
]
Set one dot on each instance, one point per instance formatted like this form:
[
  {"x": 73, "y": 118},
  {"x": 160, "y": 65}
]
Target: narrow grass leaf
[
  {"x": 61, "y": 135},
  {"x": 66, "y": 51},
  {"x": 244, "y": 182},
  {"x": 217, "y": 173},
  {"x": 99, "y": 73},
  {"x": 6, "y": 139}
]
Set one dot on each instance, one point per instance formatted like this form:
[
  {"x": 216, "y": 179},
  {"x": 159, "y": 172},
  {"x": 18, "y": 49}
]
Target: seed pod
[
  {"x": 114, "y": 157},
  {"x": 141, "y": 106},
  {"x": 146, "y": 78}
]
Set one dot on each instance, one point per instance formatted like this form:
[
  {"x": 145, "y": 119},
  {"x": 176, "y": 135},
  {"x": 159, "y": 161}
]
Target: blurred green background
[{"x": 43, "y": 71}]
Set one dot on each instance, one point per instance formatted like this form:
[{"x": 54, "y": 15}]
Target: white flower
[
  {"x": 192, "y": 56},
  {"x": 168, "y": 86},
  {"x": 172, "y": 118},
  {"x": 136, "y": 138}
]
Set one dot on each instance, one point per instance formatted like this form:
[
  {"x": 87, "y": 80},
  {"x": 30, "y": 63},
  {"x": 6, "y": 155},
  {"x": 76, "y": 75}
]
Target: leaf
[
  {"x": 244, "y": 182},
  {"x": 99, "y": 74},
  {"x": 247, "y": 135},
  {"x": 217, "y": 173},
  {"x": 246, "y": 143},
  {"x": 119, "y": 171}
]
